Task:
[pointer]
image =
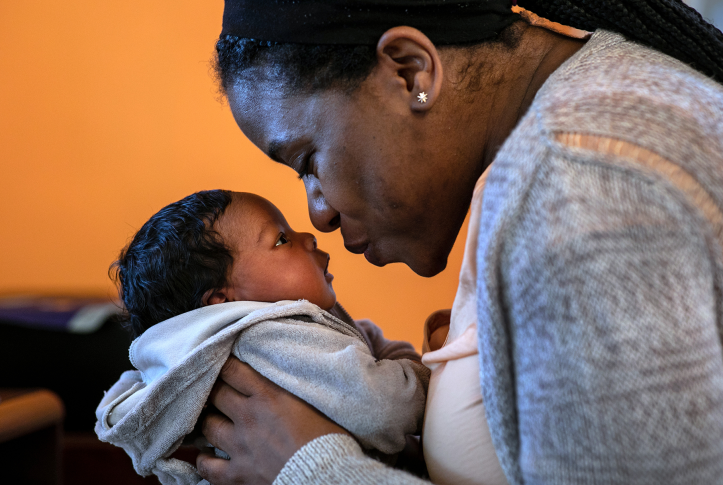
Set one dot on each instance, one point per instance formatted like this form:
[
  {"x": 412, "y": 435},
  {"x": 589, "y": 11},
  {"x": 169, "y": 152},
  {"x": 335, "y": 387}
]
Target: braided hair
[{"x": 668, "y": 26}]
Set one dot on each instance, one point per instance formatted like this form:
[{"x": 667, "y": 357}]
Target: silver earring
[{"x": 422, "y": 97}]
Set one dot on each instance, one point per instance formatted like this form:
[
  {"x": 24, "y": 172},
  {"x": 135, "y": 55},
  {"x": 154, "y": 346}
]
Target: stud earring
[{"x": 422, "y": 97}]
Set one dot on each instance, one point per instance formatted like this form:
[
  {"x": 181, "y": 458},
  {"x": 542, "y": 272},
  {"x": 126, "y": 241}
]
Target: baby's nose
[{"x": 310, "y": 242}]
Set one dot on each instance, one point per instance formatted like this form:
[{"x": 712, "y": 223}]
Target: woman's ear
[
  {"x": 212, "y": 297},
  {"x": 412, "y": 63}
]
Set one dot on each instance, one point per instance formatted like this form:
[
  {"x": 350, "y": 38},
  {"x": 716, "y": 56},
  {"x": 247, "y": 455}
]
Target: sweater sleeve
[
  {"x": 610, "y": 295},
  {"x": 338, "y": 459}
]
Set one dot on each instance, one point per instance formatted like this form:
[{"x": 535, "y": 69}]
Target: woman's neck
[
  {"x": 555, "y": 50},
  {"x": 511, "y": 79}
]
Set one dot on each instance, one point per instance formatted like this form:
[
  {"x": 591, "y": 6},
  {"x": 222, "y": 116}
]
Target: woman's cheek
[{"x": 341, "y": 183}]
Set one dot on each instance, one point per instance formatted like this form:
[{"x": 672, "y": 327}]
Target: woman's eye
[
  {"x": 282, "y": 239},
  {"x": 303, "y": 169}
]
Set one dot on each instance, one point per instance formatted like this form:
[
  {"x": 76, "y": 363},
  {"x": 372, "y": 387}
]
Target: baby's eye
[{"x": 282, "y": 239}]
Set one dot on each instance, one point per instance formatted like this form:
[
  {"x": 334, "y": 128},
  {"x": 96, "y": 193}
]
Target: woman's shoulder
[
  {"x": 615, "y": 105},
  {"x": 618, "y": 88},
  {"x": 609, "y": 62},
  {"x": 615, "y": 111}
]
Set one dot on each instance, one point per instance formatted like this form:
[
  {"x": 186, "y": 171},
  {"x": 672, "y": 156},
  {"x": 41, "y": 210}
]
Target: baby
[{"x": 219, "y": 274}]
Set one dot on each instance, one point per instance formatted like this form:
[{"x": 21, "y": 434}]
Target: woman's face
[{"x": 385, "y": 176}]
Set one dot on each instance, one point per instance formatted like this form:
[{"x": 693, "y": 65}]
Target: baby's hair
[{"x": 172, "y": 261}]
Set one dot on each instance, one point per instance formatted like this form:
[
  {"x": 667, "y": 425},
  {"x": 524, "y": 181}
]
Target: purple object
[{"x": 59, "y": 313}]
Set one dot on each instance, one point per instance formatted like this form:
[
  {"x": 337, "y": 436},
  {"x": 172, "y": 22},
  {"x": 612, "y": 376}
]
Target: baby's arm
[
  {"x": 257, "y": 410},
  {"x": 383, "y": 348},
  {"x": 379, "y": 401}
]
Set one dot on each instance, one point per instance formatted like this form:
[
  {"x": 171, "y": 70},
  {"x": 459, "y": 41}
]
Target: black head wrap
[{"x": 362, "y": 22}]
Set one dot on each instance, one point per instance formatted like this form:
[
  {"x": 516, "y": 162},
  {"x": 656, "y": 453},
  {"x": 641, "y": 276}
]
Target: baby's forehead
[
  {"x": 248, "y": 205},
  {"x": 247, "y": 216}
]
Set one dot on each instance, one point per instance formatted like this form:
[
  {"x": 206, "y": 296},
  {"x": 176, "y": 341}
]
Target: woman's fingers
[
  {"x": 263, "y": 426},
  {"x": 229, "y": 401},
  {"x": 218, "y": 430},
  {"x": 238, "y": 382},
  {"x": 244, "y": 379},
  {"x": 213, "y": 469}
]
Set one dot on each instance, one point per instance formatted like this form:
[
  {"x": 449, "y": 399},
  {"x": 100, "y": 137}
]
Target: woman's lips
[{"x": 368, "y": 251}]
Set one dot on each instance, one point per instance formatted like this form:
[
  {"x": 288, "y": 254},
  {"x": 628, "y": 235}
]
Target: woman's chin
[
  {"x": 428, "y": 268},
  {"x": 373, "y": 258},
  {"x": 422, "y": 260},
  {"x": 425, "y": 265}
]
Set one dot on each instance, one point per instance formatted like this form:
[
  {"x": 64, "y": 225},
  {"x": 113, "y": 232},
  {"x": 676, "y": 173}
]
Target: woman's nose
[{"x": 323, "y": 216}]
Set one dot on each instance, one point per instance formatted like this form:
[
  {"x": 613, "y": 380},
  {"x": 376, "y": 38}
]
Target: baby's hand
[
  {"x": 438, "y": 328},
  {"x": 436, "y": 340}
]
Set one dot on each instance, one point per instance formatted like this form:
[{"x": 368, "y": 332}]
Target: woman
[{"x": 593, "y": 271}]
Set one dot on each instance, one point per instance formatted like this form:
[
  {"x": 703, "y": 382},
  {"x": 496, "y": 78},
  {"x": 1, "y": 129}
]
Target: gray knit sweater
[{"x": 599, "y": 285}]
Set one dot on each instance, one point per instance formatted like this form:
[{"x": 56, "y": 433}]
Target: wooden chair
[{"x": 30, "y": 436}]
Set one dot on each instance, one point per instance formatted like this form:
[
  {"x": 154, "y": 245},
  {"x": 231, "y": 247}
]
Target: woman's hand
[{"x": 261, "y": 428}]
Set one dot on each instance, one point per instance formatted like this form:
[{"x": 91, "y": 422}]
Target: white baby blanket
[{"x": 295, "y": 344}]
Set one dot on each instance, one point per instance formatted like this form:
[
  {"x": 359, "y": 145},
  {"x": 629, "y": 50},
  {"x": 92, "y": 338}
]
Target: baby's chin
[
  {"x": 328, "y": 307},
  {"x": 328, "y": 302}
]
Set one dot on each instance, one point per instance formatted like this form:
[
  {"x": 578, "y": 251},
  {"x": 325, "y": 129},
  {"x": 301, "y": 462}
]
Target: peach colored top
[
  {"x": 457, "y": 443},
  {"x": 456, "y": 439}
]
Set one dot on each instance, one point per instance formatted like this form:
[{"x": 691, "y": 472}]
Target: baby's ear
[{"x": 212, "y": 297}]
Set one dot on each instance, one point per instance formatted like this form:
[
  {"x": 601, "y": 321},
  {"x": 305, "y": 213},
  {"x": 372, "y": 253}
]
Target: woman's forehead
[
  {"x": 263, "y": 114},
  {"x": 275, "y": 122}
]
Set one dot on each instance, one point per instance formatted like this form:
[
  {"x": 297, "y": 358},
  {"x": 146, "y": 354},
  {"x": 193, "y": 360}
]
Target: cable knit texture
[
  {"x": 599, "y": 286},
  {"x": 318, "y": 463}
]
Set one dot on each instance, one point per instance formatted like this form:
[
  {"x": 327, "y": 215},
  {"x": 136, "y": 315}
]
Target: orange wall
[{"x": 108, "y": 112}]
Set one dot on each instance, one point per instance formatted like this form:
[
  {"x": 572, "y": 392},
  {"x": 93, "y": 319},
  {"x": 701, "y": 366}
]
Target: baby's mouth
[{"x": 328, "y": 276}]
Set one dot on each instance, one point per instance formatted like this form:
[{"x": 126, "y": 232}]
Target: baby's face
[{"x": 271, "y": 262}]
